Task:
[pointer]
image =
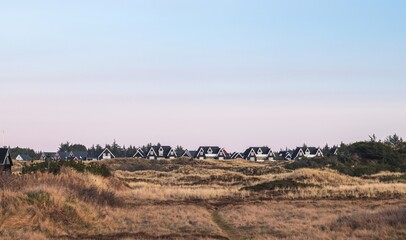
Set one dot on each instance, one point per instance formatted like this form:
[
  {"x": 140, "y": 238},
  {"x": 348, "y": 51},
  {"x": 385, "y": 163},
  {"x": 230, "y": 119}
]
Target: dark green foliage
[
  {"x": 277, "y": 184},
  {"x": 67, "y": 147},
  {"x": 24, "y": 151},
  {"x": 360, "y": 158},
  {"x": 55, "y": 167},
  {"x": 98, "y": 169}
]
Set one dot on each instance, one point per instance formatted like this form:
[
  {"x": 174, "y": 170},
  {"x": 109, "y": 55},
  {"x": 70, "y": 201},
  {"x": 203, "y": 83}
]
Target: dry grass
[
  {"x": 184, "y": 199},
  {"x": 148, "y": 191},
  {"x": 318, "y": 220},
  {"x": 376, "y": 190},
  {"x": 325, "y": 177}
]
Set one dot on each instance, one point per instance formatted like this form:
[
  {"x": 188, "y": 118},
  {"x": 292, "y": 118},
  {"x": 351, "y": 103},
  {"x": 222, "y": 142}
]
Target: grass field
[{"x": 202, "y": 199}]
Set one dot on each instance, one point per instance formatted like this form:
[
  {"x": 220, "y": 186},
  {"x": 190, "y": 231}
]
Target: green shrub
[
  {"x": 56, "y": 166},
  {"x": 278, "y": 184}
]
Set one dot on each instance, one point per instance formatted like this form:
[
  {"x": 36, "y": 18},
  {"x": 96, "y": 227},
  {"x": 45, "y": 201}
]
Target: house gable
[
  {"x": 106, "y": 151},
  {"x": 186, "y": 153},
  {"x": 5, "y": 159},
  {"x": 171, "y": 153},
  {"x": 139, "y": 153},
  {"x": 151, "y": 152}
]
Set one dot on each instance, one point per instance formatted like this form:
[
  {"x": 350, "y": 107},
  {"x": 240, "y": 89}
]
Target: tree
[
  {"x": 372, "y": 138},
  {"x": 67, "y": 147},
  {"x": 326, "y": 150},
  {"x": 393, "y": 141},
  {"x": 179, "y": 148}
]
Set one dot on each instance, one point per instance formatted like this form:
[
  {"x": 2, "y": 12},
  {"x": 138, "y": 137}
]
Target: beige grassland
[{"x": 205, "y": 199}]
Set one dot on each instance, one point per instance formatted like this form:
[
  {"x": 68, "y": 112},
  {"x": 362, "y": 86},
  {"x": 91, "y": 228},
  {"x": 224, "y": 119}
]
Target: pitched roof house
[
  {"x": 78, "y": 155},
  {"x": 106, "y": 154},
  {"x": 307, "y": 152},
  {"x": 5, "y": 160},
  {"x": 334, "y": 151},
  {"x": 236, "y": 155},
  {"x": 49, "y": 156},
  {"x": 312, "y": 152},
  {"x": 193, "y": 153},
  {"x": 183, "y": 153},
  {"x": 139, "y": 153},
  {"x": 287, "y": 155},
  {"x": 297, "y": 153},
  {"x": 72, "y": 155},
  {"x": 258, "y": 154},
  {"x": 211, "y": 152},
  {"x": 161, "y": 152},
  {"x": 23, "y": 157}
]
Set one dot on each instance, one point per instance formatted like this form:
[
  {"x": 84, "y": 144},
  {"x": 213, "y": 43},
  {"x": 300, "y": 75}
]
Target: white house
[
  {"x": 258, "y": 154},
  {"x": 106, "y": 154}
]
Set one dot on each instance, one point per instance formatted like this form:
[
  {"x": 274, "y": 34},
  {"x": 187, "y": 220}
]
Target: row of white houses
[{"x": 259, "y": 154}]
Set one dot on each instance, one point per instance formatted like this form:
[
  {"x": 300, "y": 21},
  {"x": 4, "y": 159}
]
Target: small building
[
  {"x": 313, "y": 152},
  {"x": 287, "y": 155},
  {"x": 5, "y": 159},
  {"x": 193, "y": 153},
  {"x": 258, "y": 154},
  {"x": 23, "y": 157},
  {"x": 160, "y": 153},
  {"x": 77, "y": 155},
  {"x": 236, "y": 155},
  {"x": 307, "y": 152},
  {"x": 106, "y": 154},
  {"x": 49, "y": 156},
  {"x": 184, "y": 154},
  {"x": 334, "y": 151},
  {"x": 139, "y": 153},
  {"x": 211, "y": 152}
]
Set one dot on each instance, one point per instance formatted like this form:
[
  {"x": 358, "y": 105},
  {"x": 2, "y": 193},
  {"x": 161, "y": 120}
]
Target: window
[{"x": 161, "y": 152}]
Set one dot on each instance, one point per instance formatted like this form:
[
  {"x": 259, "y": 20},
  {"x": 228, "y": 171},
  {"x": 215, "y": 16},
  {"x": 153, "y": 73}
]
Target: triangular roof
[
  {"x": 139, "y": 153},
  {"x": 108, "y": 150},
  {"x": 25, "y": 157},
  {"x": 4, "y": 156}
]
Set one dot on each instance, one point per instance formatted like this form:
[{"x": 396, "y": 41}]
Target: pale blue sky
[{"x": 231, "y": 73}]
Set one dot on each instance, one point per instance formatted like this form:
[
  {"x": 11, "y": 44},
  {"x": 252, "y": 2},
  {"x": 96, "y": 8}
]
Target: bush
[
  {"x": 278, "y": 184},
  {"x": 56, "y": 166}
]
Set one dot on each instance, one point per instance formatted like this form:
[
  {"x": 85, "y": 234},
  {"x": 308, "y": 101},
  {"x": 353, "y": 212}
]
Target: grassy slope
[{"x": 184, "y": 199}]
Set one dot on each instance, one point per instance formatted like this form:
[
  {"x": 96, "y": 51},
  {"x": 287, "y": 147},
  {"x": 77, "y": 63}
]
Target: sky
[{"x": 205, "y": 72}]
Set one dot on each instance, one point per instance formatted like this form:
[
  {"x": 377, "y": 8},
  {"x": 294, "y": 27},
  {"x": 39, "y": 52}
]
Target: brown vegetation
[{"x": 185, "y": 199}]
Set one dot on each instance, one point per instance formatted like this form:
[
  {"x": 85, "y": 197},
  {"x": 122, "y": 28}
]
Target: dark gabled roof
[
  {"x": 333, "y": 150},
  {"x": 79, "y": 154},
  {"x": 255, "y": 149},
  {"x": 180, "y": 152},
  {"x": 166, "y": 150},
  {"x": 235, "y": 155},
  {"x": 63, "y": 155},
  {"x": 215, "y": 149},
  {"x": 285, "y": 154},
  {"x": 139, "y": 153},
  {"x": 296, "y": 152},
  {"x": 108, "y": 150},
  {"x": 193, "y": 153},
  {"x": 313, "y": 150},
  {"x": 183, "y": 153},
  {"x": 25, "y": 157},
  {"x": 4, "y": 153}
]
